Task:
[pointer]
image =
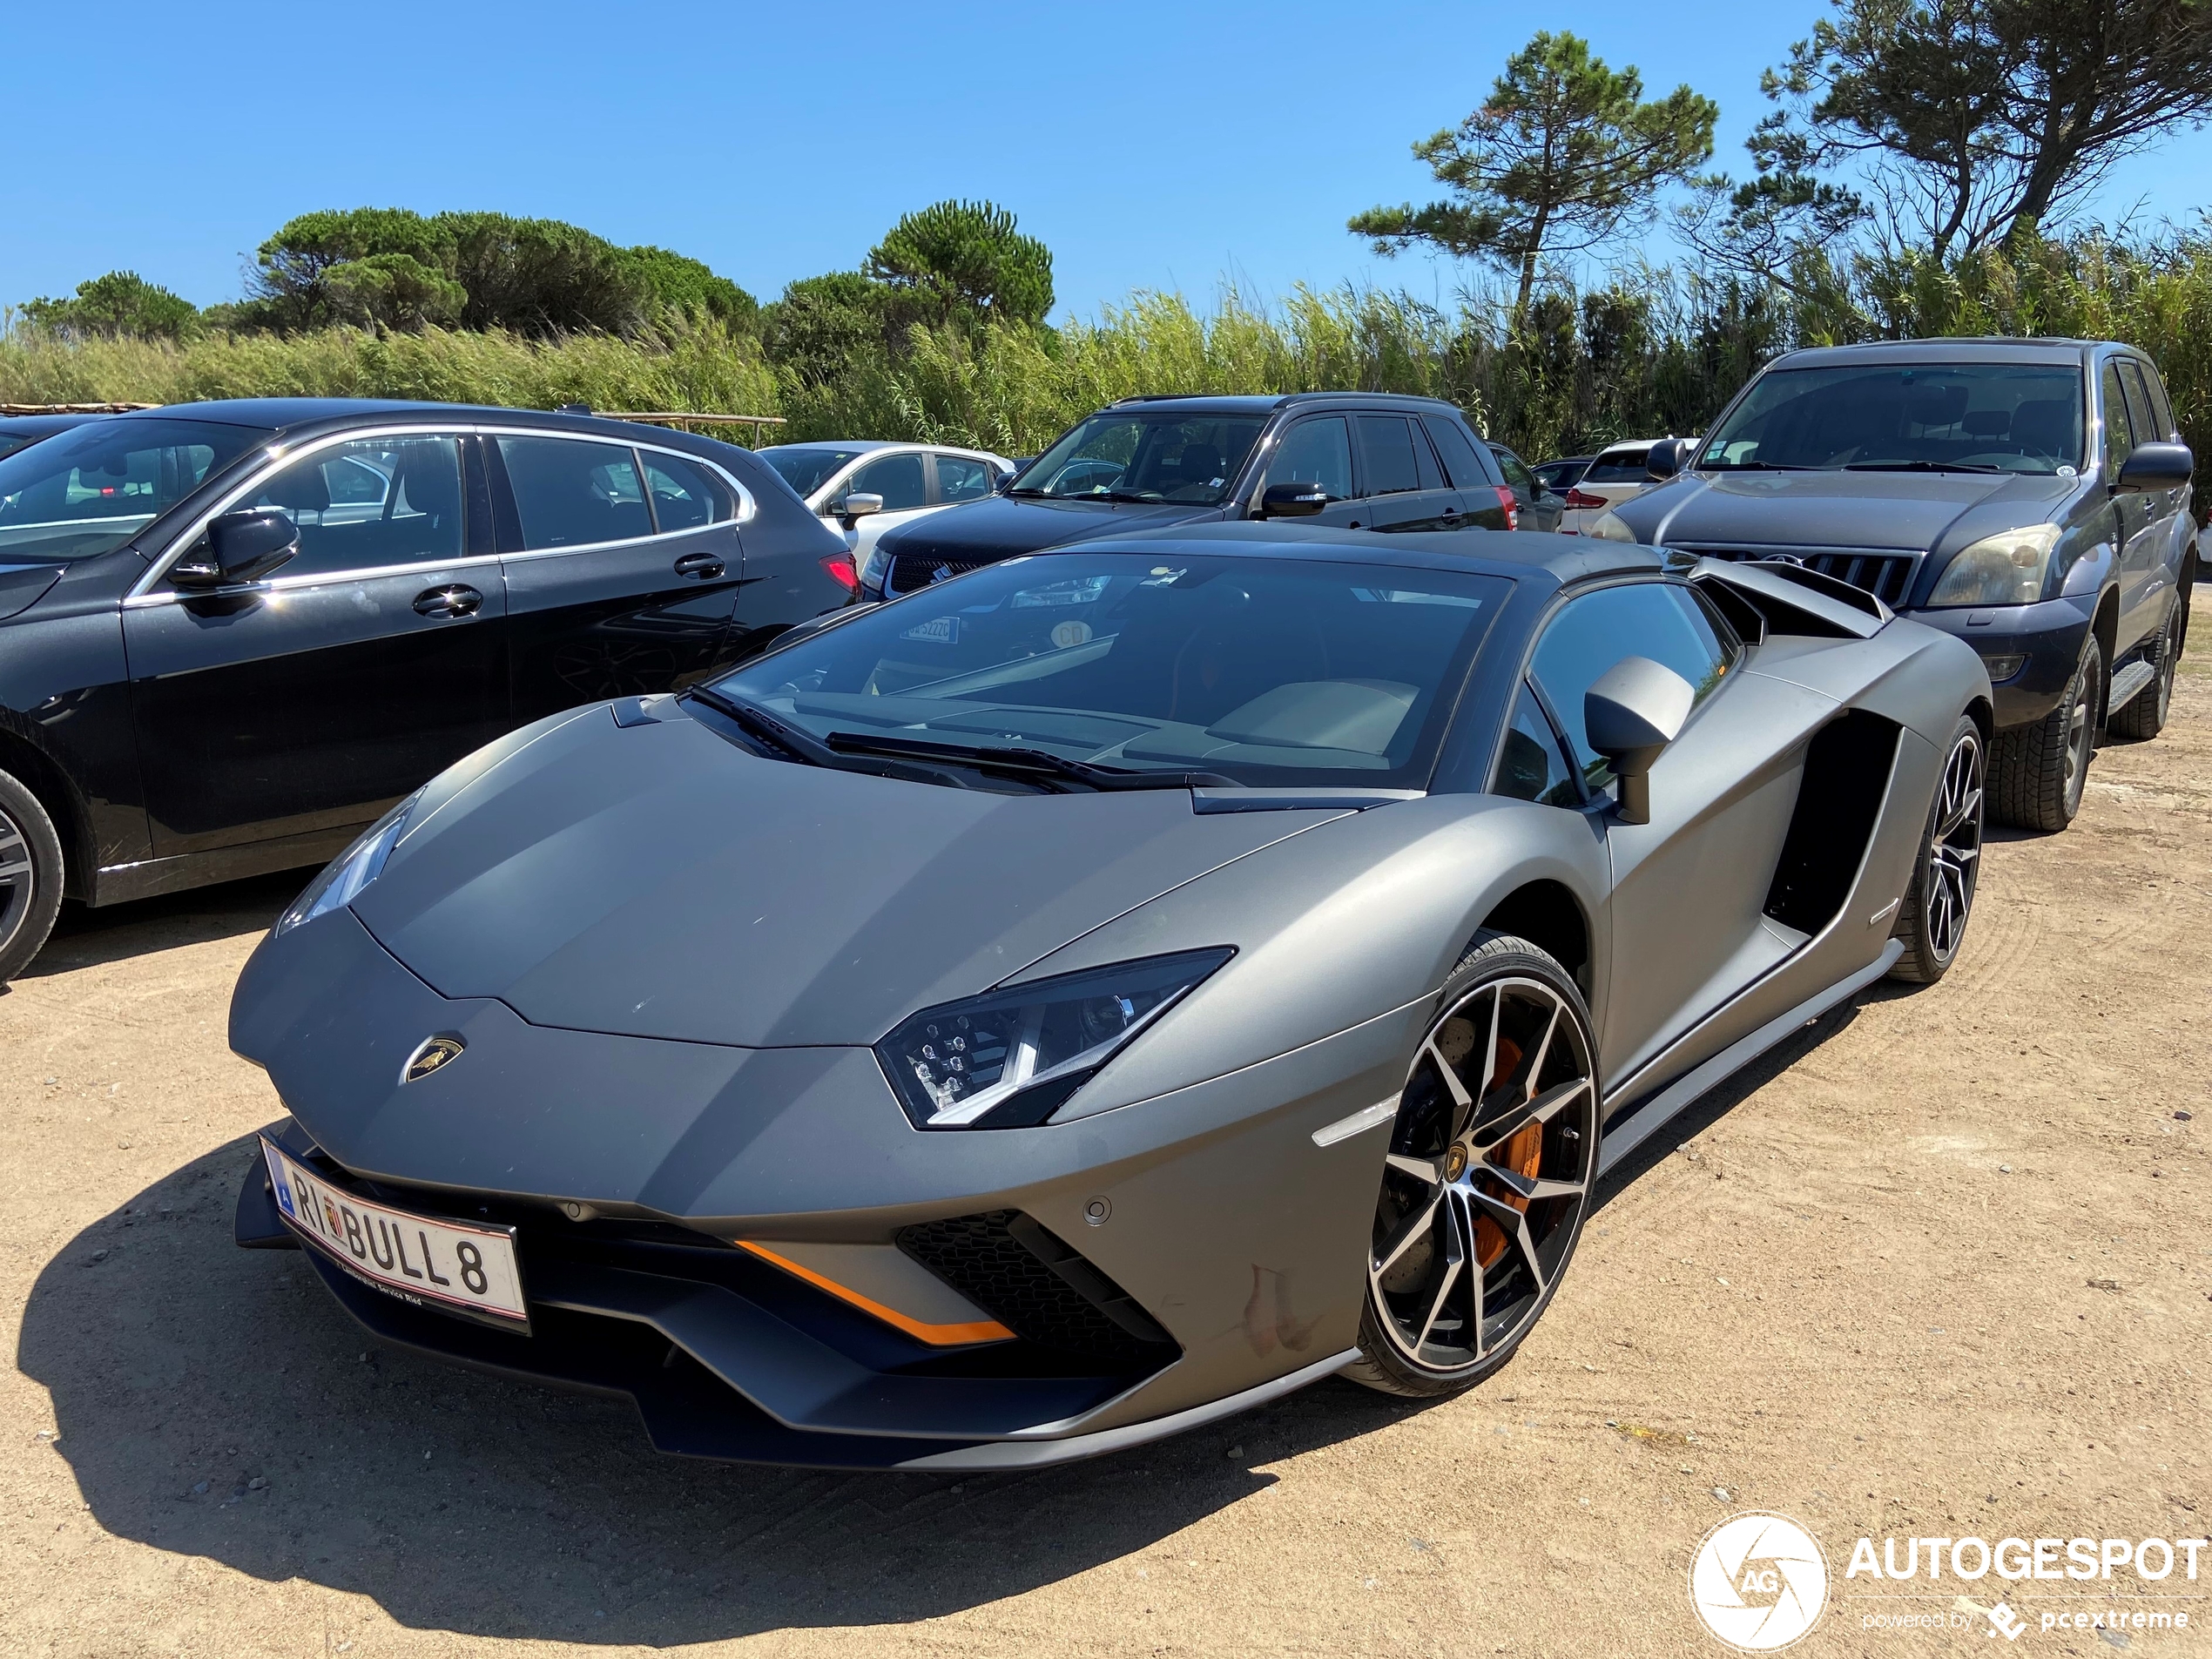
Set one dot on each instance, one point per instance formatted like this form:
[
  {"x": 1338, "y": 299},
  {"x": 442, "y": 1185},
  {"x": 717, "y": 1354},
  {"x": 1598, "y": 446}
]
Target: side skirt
[{"x": 1625, "y": 1136}]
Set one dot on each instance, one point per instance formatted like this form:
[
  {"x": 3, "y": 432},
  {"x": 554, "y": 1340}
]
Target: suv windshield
[
  {"x": 1127, "y": 455},
  {"x": 1970, "y": 417},
  {"x": 89, "y": 490},
  {"x": 1264, "y": 670},
  {"x": 804, "y": 467}
]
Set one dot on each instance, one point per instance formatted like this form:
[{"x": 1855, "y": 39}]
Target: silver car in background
[{"x": 865, "y": 486}]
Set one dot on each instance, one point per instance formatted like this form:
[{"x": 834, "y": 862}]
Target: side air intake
[
  {"x": 1038, "y": 1287},
  {"x": 1847, "y": 772}
]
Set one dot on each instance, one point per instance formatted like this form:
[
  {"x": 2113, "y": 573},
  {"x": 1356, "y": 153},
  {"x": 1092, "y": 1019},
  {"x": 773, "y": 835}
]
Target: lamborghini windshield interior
[
  {"x": 1137, "y": 457},
  {"x": 1262, "y": 672},
  {"x": 1914, "y": 417}
]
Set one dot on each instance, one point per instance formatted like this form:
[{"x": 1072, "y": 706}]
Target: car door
[
  {"x": 621, "y": 566},
  {"x": 1537, "y": 508},
  {"x": 367, "y": 664},
  {"x": 902, "y": 479},
  {"x": 1317, "y": 450},
  {"x": 1690, "y": 887},
  {"x": 2145, "y": 560},
  {"x": 1399, "y": 475},
  {"x": 1473, "y": 471}
]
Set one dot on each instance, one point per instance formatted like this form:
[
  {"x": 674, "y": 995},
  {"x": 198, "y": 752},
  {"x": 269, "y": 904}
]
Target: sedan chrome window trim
[
  {"x": 277, "y": 456},
  {"x": 312, "y": 579}
]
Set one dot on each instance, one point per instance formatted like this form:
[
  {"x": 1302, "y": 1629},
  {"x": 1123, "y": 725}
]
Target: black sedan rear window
[
  {"x": 91, "y": 488},
  {"x": 1265, "y": 671}
]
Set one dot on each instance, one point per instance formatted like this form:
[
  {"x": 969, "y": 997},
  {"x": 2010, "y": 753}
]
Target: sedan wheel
[
  {"x": 30, "y": 876},
  {"x": 1487, "y": 1176}
]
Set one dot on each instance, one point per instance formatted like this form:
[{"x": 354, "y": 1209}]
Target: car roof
[
  {"x": 1979, "y": 348},
  {"x": 1204, "y": 403},
  {"x": 309, "y": 415},
  {"x": 848, "y": 446},
  {"x": 47, "y": 425},
  {"x": 1520, "y": 555}
]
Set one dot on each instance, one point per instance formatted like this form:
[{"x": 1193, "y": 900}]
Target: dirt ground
[{"x": 1941, "y": 1266}]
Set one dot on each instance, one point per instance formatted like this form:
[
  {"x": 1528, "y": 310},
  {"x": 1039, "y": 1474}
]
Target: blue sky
[{"x": 1149, "y": 146}]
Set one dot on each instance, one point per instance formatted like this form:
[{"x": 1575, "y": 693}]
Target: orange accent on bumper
[{"x": 941, "y": 1336}]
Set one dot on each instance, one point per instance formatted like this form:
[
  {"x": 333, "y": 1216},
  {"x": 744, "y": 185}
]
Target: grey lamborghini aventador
[{"x": 1262, "y": 939}]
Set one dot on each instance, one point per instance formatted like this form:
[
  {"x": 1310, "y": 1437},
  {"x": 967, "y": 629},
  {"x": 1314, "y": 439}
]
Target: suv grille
[
  {"x": 1036, "y": 1286},
  {"x": 911, "y": 571},
  {"x": 1886, "y": 573}
]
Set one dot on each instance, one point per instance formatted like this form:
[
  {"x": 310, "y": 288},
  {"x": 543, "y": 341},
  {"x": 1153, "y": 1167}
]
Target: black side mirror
[
  {"x": 241, "y": 546},
  {"x": 1634, "y": 711},
  {"x": 2156, "y": 466},
  {"x": 1666, "y": 458},
  {"x": 1292, "y": 500}
]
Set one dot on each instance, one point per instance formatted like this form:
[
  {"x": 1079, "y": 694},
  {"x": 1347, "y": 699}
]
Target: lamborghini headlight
[
  {"x": 351, "y": 871},
  {"x": 1008, "y": 1059},
  {"x": 1608, "y": 528},
  {"x": 2004, "y": 569}
]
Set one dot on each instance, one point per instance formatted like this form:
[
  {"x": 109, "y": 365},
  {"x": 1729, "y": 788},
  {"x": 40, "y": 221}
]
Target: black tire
[
  {"x": 2144, "y": 717},
  {"x": 1464, "y": 1165},
  {"x": 1932, "y": 920},
  {"x": 30, "y": 877},
  {"x": 2037, "y": 773}
]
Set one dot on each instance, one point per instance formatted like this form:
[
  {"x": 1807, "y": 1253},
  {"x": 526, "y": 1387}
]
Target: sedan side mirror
[
  {"x": 1292, "y": 500},
  {"x": 2156, "y": 466},
  {"x": 241, "y": 546},
  {"x": 1634, "y": 711},
  {"x": 859, "y": 504},
  {"x": 1666, "y": 458}
]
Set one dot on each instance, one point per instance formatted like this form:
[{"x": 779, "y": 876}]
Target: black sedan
[{"x": 236, "y": 632}]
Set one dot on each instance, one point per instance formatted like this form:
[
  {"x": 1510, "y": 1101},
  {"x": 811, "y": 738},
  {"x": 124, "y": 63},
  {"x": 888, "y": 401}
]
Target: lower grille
[
  {"x": 1886, "y": 573},
  {"x": 1036, "y": 1285},
  {"x": 911, "y": 571}
]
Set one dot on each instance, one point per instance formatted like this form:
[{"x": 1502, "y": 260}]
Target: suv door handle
[
  {"x": 458, "y": 600},
  {"x": 704, "y": 566}
]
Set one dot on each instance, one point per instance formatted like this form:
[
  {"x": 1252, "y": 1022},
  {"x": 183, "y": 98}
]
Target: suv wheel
[
  {"x": 30, "y": 877},
  {"x": 2145, "y": 715},
  {"x": 1488, "y": 1177},
  {"x": 2039, "y": 770},
  {"x": 1933, "y": 920}
]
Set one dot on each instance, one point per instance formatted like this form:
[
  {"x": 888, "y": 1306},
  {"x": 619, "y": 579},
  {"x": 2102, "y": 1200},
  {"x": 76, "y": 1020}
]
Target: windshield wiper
[
  {"x": 1920, "y": 466},
  {"x": 1028, "y": 492},
  {"x": 1023, "y": 763},
  {"x": 763, "y": 727},
  {"x": 1143, "y": 497}
]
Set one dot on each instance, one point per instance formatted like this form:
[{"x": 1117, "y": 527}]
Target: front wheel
[
  {"x": 1488, "y": 1177},
  {"x": 1931, "y": 923},
  {"x": 30, "y": 877},
  {"x": 2037, "y": 771}
]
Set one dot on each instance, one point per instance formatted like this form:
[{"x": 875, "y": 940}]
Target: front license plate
[{"x": 446, "y": 1264}]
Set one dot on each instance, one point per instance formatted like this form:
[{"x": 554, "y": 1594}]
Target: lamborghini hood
[{"x": 655, "y": 881}]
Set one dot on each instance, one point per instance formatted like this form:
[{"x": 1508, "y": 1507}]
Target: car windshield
[
  {"x": 1265, "y": 671},
  {"x": 1127, "y": 455},
  {"x": 91, "y": 488},
  {"x": 1934, "y": 417},
  {"x": 805, "y": 468}
]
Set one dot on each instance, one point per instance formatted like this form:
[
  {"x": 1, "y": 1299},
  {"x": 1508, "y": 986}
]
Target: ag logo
[
  {"x": 1759, "y": 1581},
  {"x": 434, "y": 1053}
]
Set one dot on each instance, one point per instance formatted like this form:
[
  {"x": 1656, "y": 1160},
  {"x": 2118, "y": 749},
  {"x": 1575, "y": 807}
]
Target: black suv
[
  {"x": 1355, "y": 460},
  {"x": 2029, "y": 496},
  {"x": 231, "y": 634}
]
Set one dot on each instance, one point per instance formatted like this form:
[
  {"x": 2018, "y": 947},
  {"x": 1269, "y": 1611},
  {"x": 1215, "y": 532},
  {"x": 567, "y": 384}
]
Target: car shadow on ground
[
  {"x": 86, "y": 938},
  {"x": 217, "y": 1402}
]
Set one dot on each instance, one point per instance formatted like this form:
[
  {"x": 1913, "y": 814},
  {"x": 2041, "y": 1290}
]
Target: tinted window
[
  {"x": 1315, "y": 452},
  {"x": 373, "y": 502},
  {"x": 1264, "y": 669},
  {"x": 571, "y": 493},
  {"x": 1561, "y": 475},
  {"x": 1531, "y": 767},
  {"x": 91, "y": 488},
  {"x": 1462, "y": 462},
  {"x": 685, "y": 495},
  {"x": 1387, "y": 449},
  {"x": 961, "y": 479},
  {"x": 2120, "y": 433},
  {"x": 804, "y": 467},
  {"x": 2010, "y": 417},
  {"x": 2142, "y": 418},
  {"x": 1129, "y": 455},
  {"x": 1523, "y": 481},
  {"x": 2162, "y": 411},
  {"x": 896, "y": 478},
  {"x": 1653, "y": 619},
  {"x": 1617, "y": 466}
]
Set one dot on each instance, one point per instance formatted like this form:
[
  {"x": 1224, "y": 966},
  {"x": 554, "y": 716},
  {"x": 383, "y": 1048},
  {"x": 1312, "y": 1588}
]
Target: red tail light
[
  {"x": 841, "y": 566},
  {"x": 1583, "y": 498},
  {"x": 1513, "y": 507}
]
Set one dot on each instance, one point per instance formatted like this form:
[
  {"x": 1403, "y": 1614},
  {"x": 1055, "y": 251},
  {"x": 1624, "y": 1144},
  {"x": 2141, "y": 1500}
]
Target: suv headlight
[
  {"x": 2004, "y": 570},
  {"x": 346, "y": 875},
  {"x": 1008, "y": 1059},
  {"x": 1609, "y": 528}
]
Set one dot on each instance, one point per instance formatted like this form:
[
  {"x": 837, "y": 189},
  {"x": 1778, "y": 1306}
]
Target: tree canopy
[
  {"x": 964, "y": 261},
  {"x": 1565, "y": 155},
  {"x": 121, "y": 305}
]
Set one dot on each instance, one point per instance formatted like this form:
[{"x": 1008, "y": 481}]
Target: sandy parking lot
[{"x": 1942, "y": 1266}]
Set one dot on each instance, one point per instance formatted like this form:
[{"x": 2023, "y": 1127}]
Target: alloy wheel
[
  {"x": 1954, "y": 849},
  {"x": 1487, "y": 1176},
  {"x": 2169, "y": 658},
  {"x": 2079, "y": 736},
  {"x": 18, "y": 879}
]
